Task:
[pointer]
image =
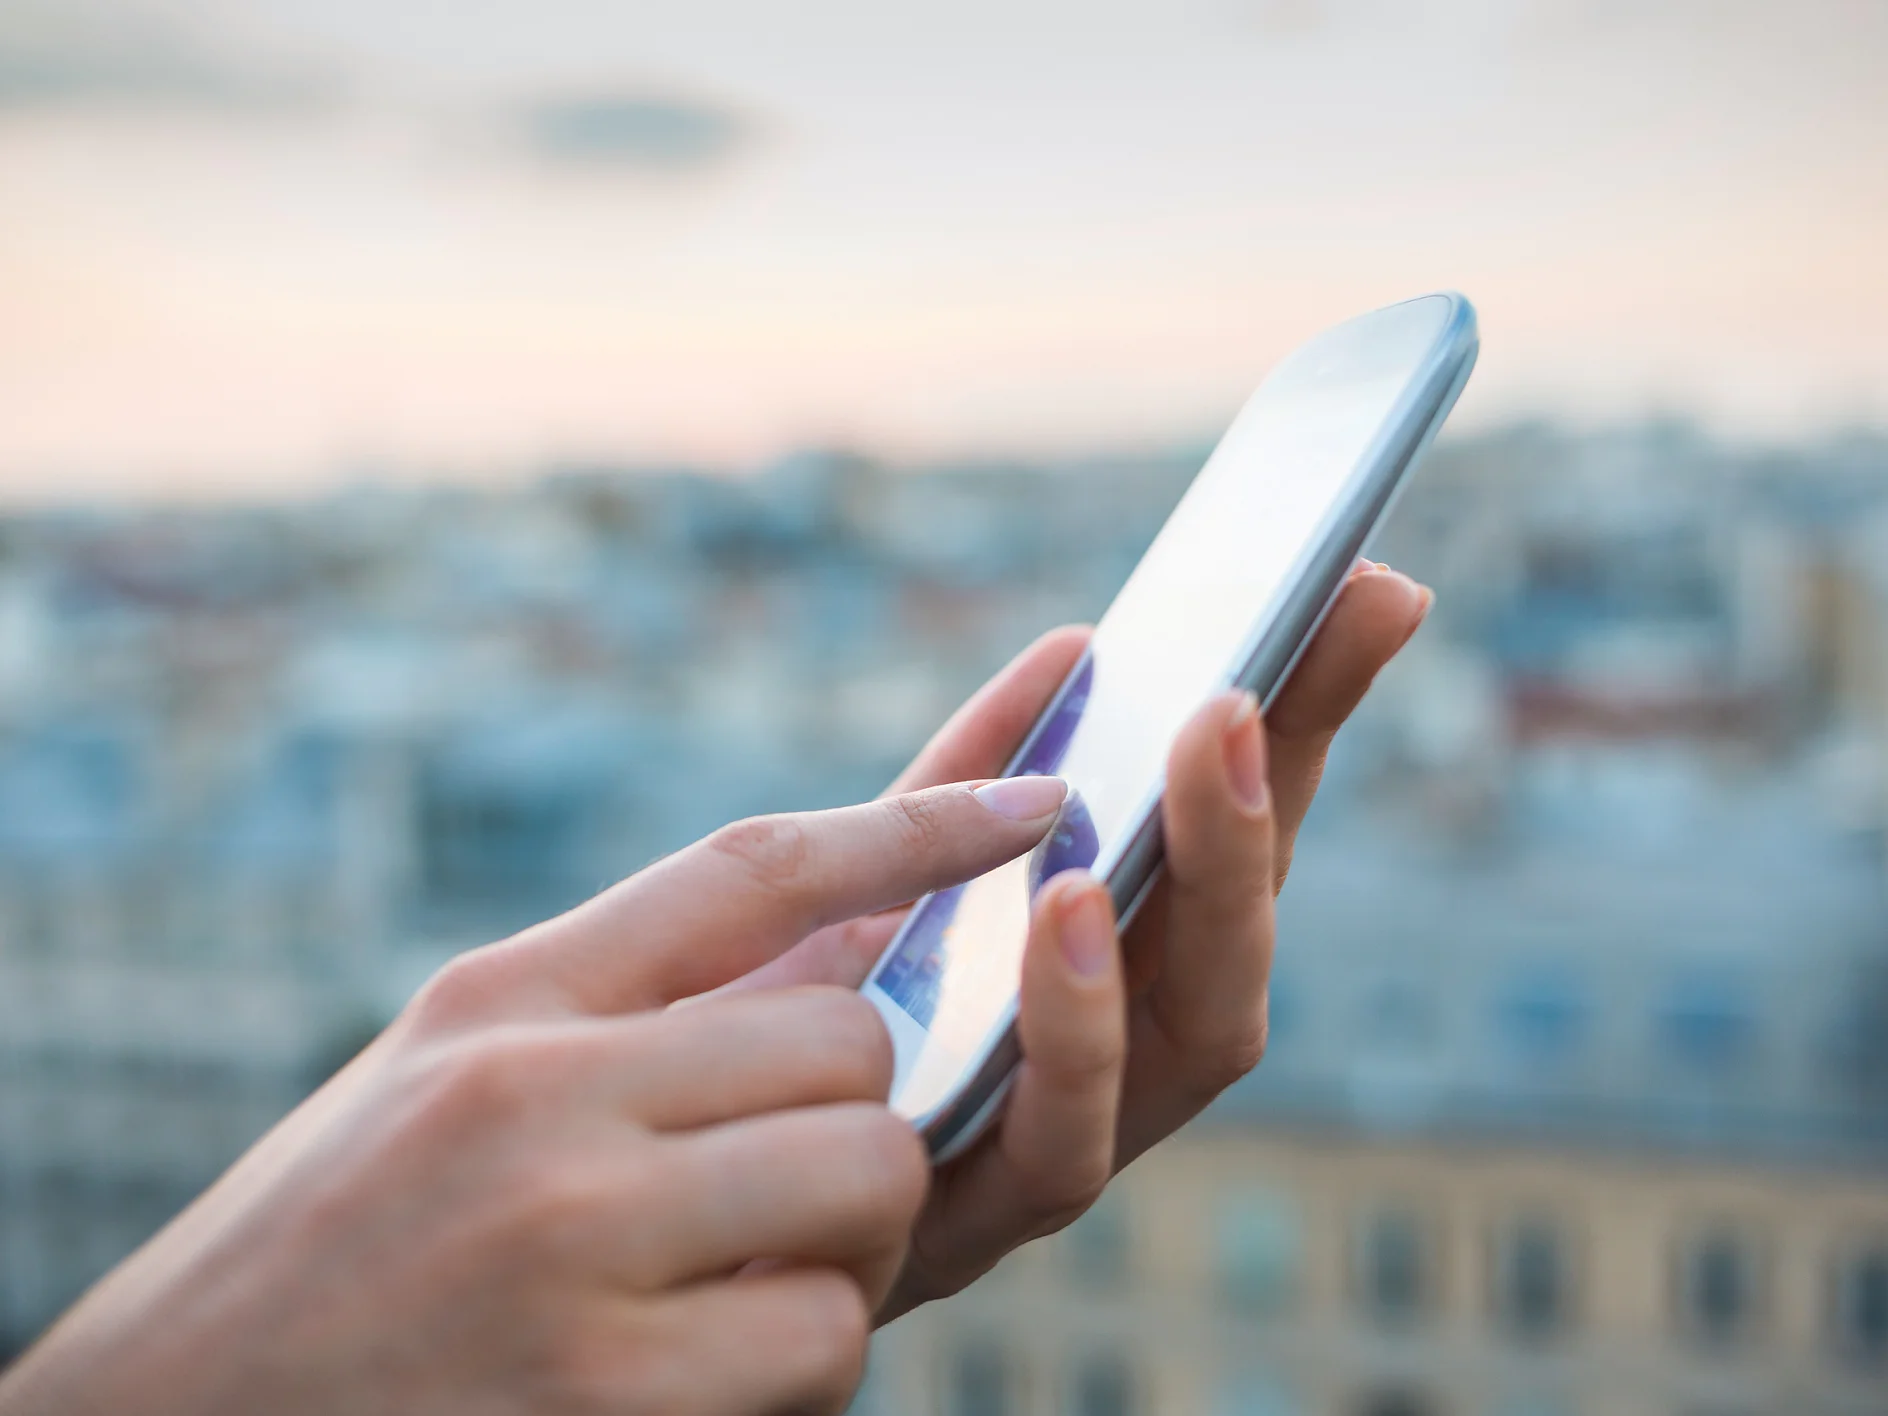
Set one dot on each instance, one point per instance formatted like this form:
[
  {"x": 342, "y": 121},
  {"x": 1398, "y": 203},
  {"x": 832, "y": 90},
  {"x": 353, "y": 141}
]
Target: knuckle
[
  {"x": 555, "y": 1210},
  {"x": 463, "y": 990},
  {"x": 1281, "y": 866},
  {"x": 1059, "y": 1197},
  {"x": 1232, "y": 1057},
  {"x": 1090, "y": 1060},
  {"x": 1248, "y": 1050},
  {"x": 485, "y": 1082},
  {"x": 773, "y": 851},
  {"x": 919, "y": 819},
  {"x": 472, "y": 1089}
]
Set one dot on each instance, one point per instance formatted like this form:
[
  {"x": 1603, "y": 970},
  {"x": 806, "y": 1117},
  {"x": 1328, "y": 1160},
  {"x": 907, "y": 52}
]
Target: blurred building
[
  {"x": 1578, "y": 1092},
  {"x": 1270, "y": 1271}
]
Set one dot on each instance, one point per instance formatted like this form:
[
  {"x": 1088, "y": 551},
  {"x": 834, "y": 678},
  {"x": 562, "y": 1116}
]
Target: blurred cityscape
[{"x": 1578, "y": 1092}]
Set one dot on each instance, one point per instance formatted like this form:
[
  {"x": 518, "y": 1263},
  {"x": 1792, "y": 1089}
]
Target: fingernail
[
  {"x": 1023, "y": 798},
  {"x": 1245, "y": 754},
  {"x": 1085, "y": 931},
  {"x": 1429, "y": 598}
]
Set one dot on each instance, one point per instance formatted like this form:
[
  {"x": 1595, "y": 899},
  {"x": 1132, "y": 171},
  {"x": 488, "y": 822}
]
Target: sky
[{"x": 263, "y": 245}]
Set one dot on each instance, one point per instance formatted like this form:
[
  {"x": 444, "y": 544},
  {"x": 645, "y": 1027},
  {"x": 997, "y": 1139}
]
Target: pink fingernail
[
  {"x": 1085, "y": 930},
  {"x": 1245, "y": 755},
  {"x": 1023, "y": 798}
]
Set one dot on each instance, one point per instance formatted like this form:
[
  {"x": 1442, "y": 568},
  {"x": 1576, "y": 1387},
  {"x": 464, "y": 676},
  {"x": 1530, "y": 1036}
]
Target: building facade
[{"x": 1250, "y": 1270}]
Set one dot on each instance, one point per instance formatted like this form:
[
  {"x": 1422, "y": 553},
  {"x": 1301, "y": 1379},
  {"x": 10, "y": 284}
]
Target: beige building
[{"x": 1248, "y": 1271}]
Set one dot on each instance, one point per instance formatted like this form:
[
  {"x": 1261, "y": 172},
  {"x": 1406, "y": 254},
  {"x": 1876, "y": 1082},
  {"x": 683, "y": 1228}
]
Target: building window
[
  {"x": 1543, "y": 1016},
  {"x": 982, "y": 1381},
  {"x": 1857, "y": 1033},
  {"x": 1531, "y": 1278},
  {"x": 1103, "y": 1385},
  {"x": 1394, "y": 1265},
  {"x": 1708, "y": 1025},
  {"x": 1718, "y": 1285},
  {"x": 1859, "y": 1308},
  {"x": 1096, "y": 1245},
  {"x": 1259, "y": 1252}
]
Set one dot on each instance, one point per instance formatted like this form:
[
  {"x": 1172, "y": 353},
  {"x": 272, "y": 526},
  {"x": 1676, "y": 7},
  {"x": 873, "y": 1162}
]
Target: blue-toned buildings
[{"x": 1578, "y": 1091}]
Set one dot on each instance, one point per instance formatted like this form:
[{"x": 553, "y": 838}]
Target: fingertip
[
  {"x": 1085, "y": 931},
  {"x": 1374, "y": 617},
  {"x": 1073, "y": 1015},
  {"x": 1049, "y": 658},
  {"x": 1242, "y": 742},
  {"x": 1058, "y": 894},
  {"x": 1200, "y": 761},
  {"x": 1065, "y": 640},
  {"x": 1391, "y": 595},
  {"x": 1075, "y": 925},
  {"x": 1064, "y": 885},
  {"x": 1225, "y": 709},
  {"x": 982, "y": 734},
  {"x": 1025, "y": 800},
  {"x": 1194, "y": 744}
]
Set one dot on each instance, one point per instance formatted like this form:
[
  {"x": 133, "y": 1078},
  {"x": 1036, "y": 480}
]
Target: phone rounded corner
[{"x": 1464, "y": 328}]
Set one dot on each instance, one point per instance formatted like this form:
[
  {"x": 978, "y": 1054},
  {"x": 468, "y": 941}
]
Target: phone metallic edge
[{"x": 1282, "y": 631}]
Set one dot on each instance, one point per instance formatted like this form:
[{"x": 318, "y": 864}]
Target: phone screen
[{"x": 1179, "y": 631}]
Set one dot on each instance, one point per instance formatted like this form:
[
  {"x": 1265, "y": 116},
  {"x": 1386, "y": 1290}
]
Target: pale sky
[{"x": 261, "y": 244}]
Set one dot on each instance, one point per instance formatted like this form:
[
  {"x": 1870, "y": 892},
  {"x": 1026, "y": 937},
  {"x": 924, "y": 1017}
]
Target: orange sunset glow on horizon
[{"x": 252, "y": 248}]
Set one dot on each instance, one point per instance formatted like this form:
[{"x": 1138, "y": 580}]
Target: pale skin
[{"x": 545, "y": 1189}]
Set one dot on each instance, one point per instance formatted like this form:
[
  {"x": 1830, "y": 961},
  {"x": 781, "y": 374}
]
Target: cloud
[
  {"x": 72, "y": 55},
  {"x": 633, "y": 131}
]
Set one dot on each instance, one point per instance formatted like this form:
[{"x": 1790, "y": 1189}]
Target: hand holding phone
[
  {"x": 1115, "y": 1062},
  {"x": 1227, "y": 597}
]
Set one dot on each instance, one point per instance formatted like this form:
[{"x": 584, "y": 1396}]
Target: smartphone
[{"x": 1228, "y": 595}]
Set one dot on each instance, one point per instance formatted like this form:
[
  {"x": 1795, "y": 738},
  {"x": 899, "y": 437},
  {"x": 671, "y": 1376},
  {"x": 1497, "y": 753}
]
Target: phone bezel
[{"x": 1276, "y": 643}]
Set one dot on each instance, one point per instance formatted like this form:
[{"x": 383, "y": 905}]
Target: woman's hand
[
  {"x": 544, "y": 1190},
  {"x": 1124, "y": 1041}
]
